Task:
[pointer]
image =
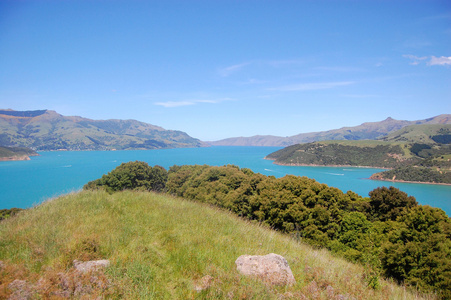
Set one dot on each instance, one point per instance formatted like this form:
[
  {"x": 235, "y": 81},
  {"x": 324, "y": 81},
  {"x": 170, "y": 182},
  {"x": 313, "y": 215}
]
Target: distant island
[
  {"x": 416, "y": 153},
  {"x": 16, "y": 153},
  {"x": 46, "y": 130}
]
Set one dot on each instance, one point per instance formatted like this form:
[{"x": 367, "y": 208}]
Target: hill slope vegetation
[
  {"x": 379, "y": 231},
  {"x": 365, "y": 131},
  {"x": 420, "y": 153},
  {"x": 160, "y": 247},
  {"x": 48, "y": 130}
]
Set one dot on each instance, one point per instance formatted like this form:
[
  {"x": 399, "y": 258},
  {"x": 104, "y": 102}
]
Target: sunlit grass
[
  {"x": 362, "y": 143},
  {"x": 160, "y": 247}
]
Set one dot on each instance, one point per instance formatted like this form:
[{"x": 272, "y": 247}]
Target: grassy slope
[
  {"x": 373, "y": 143},
  {"x": 418, "y": 133},
  {"x": 161, "y": 246}
]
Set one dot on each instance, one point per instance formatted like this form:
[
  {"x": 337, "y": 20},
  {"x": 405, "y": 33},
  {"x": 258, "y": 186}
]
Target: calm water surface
[{"x": 27, "y": 183}]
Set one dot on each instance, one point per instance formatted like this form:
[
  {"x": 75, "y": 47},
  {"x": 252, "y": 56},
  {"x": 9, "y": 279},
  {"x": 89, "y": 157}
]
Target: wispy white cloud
[
  {"x": 175, "y": 103},
  {"x": 440, "y": 61},
  {"x": 170, "y": 104},
  {"x": 430, "y": 60},
  {"x": 312, "y": 86},
  {"x": 415, "y": 60},
  {"x": 232, "y": 69},
  {"x": 227, "y": 71}
]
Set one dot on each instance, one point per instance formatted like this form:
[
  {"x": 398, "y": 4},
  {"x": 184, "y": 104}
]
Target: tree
[
  {"x": 132, "y": 175},
  {"x": 389, "y": 203},
  {"x": 419, "y": 250}
]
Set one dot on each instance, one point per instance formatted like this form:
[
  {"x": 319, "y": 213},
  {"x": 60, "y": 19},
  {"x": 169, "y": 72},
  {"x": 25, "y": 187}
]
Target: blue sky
[{"x": 217, "y": 69}]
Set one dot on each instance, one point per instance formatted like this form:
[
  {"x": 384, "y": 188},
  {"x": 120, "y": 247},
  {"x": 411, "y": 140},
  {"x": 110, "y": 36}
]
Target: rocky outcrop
[
  {"x": 90, "y": 266},
  {"x": 21, "y": 290},
  {"x": 271, "y": 268},
  {"x": 85, "y": 280}
]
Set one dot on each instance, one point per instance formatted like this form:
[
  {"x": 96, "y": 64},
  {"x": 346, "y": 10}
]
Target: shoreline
[
  {"x": 370, "y": 178},
  {"x": 404, "y": 181},
  {"x": 15, "y": 158},
  {"x": 373, "y": 177},
  {"x": 334, "y": 166}
]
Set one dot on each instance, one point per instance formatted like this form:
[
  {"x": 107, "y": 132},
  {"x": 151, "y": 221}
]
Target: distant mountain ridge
[
  {"x": 369, "y": 130},
  {"x": 48, "y": 130}
]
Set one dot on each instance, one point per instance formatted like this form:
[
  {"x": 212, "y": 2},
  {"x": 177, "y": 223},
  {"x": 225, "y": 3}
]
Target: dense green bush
[
  {"x": 418, "y": 251},
  {"x": 132, "y": 175},
  {"x": 389, "y": 203},
  {"x": 6, "y": 213}
]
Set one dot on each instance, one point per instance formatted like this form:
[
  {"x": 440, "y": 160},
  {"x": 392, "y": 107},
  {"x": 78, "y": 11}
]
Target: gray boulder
[
  {"x": 92, "y": 265},
  {"x": 271, "y": 268}
]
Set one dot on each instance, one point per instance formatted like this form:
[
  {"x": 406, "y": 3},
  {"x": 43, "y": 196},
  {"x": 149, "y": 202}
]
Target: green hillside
[
  {"x": 48, "y": 130},
  {"x": 159, "y": 248},
  {"x": 417, "y": 153},
  {"x": 422, "y": 134},
  {"x": 378, "y": 231},
  {"x": 345, "y": 153}
]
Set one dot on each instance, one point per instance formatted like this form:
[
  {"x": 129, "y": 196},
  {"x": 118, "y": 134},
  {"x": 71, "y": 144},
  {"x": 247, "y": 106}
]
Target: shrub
[
  {"x": 130, "y": 176},
  {"x": 389, "y": 203},
  {"x": 6, "y": 213}
]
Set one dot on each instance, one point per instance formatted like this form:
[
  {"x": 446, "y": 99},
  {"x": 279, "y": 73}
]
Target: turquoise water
[{"x": 27, "y": 183}]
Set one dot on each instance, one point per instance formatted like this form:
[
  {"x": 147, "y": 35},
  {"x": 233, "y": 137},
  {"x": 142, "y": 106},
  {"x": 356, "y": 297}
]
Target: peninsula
[
  {"x": 16, "y": 153},
  {"x": 416, "y": 153}
]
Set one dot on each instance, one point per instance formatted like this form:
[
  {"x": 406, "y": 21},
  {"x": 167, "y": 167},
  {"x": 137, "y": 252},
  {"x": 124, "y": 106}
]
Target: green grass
[
  {"x": 362, "y": 143},
  {"x": 418, "y": 133},
  {"x": 446, "y": 157},
  {"x": 161, "y": 246}
]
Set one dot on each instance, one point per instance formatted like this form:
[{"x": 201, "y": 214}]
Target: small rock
[
  {"x": 204, "y": 283},
  {"x": 93, "y": 265},
  {"x": 272, "y": 268},
  {"x": 313, "y": 290},
  {"x": 330, "y": 291},
  {"x": 21, "y": 290}
]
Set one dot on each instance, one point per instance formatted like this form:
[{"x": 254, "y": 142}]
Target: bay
[{"x": 27, "y": 183}]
